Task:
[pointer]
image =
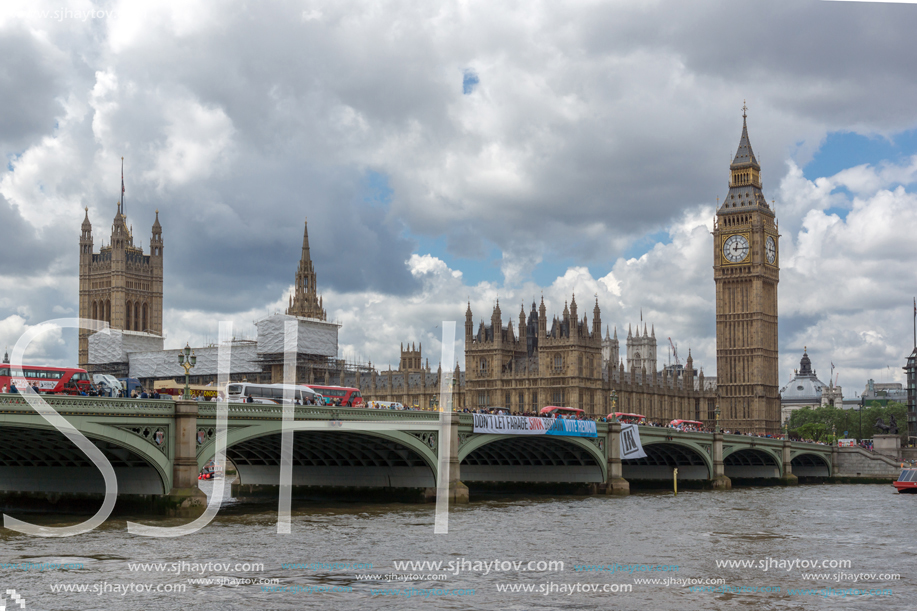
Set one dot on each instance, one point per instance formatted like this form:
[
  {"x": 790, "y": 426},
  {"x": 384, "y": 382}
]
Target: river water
[{"x": 864, "y": 530}]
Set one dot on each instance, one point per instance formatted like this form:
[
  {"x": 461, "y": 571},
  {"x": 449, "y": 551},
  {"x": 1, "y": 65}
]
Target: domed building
[{"x": 804, "y": 390}]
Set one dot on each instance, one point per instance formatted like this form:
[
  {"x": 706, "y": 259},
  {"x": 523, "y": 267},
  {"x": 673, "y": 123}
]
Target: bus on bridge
[
  {"x": 625, "y": 418},
  {"x": 49, "y": 380}
]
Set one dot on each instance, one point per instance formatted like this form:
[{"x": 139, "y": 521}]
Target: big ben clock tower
[{"x": 746, "y": 270}]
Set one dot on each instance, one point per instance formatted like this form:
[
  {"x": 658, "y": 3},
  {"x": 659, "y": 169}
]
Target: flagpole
[
  {"x": 915, "y": 323},
  {"x": 122, "y": 185}
]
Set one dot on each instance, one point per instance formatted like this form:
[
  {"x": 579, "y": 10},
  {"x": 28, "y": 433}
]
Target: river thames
[{"x": 649, "y": 550}]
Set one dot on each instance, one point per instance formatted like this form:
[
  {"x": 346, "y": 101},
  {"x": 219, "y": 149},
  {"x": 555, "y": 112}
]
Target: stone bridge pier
[
  {"x": 185, "y": 498},
  {"x": 457, "y": 491},
  {"x": 615, "y": 482},
  {"x": 719, "y": 479}
]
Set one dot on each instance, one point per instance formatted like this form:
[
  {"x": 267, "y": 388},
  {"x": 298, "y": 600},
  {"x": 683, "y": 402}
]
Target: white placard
[{"x": 630, "y": 442}]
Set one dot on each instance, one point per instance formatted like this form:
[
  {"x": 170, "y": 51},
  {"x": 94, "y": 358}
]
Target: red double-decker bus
[
  {"x": 349, "y": 397},
  {"x": 50, "y": 380}
]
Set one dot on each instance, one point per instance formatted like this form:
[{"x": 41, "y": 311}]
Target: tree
[
  {"x": 815, "y": 431},
  {"x": 848, "y": 420}
]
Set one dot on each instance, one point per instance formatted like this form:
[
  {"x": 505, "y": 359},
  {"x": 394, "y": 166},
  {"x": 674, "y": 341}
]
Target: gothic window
[
  {"x": 558, "y": 362},
  {"x": 508, "y": 399},
  {"x": 127, "y": 316},
  {"x": 482, "y": 399},
  {"x": 521, "y": 401},
  {"x": 144, "y": 326},
  {"x": 108, "y": 311},
  {"x": 483, "y": 365},
  {"x": 535, "y": 401},
  {"x": 95, "y": 311},
  {"x": 136, "y": 316},
  {"x": 559, "y": 397}
]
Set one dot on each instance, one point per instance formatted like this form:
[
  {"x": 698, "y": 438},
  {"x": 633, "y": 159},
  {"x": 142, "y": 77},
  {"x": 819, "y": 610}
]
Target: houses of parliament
[
  {"x": 535, "y": 360},
  {"x": 119, "y": 284}
]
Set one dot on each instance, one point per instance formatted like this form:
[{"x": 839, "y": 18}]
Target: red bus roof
[
  {"x": 42, "y": 368},
  {"x": 677, "y": 422},
  {"x": 626, "y": 415},
  {"x": 551, "y": 408}
]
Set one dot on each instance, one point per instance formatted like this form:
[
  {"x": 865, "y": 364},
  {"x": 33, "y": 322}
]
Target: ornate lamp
[{"x": 187, "y": 360}]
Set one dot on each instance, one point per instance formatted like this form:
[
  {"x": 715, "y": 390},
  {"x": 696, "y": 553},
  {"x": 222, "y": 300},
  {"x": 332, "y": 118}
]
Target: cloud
[{"x": 543, "y": 132}]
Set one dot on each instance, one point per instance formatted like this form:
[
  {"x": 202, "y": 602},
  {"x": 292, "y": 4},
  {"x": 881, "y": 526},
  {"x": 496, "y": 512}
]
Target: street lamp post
[
  {"x": 614, "y": 405},
  {"x": 187, "y": 360},
  {"x": 860, "y": 436},
  {"x": 717, "y": 413}
]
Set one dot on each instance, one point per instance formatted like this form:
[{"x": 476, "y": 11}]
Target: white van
[
  {"x": 108, "y": 385},
  {"x": 238, "y": 392}
]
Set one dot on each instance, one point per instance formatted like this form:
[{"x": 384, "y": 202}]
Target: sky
[{"x": 466, "y": 152}]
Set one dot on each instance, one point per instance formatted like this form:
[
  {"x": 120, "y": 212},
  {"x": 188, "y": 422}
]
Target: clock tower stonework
[{"x": 746, "y": 271}]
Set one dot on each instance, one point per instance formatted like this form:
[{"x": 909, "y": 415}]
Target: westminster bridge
[{"x": 157, "y": 448}]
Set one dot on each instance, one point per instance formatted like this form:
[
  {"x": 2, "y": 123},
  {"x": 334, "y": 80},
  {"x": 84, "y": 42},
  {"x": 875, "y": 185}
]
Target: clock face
[
  {"x": 735, "y": 248},
  {"x": 770, "y": 249}
]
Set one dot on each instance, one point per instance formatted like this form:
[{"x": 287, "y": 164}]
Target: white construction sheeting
[
  {"x": 164, "y": 363},
  {"x": 315, "y": 336},
  {"x": 115, "y": 345}
]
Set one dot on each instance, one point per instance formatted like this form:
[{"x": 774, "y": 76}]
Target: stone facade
[
  {"x": 857, "y": 462},
  {"x": 120, "y": 285},
  {"x": 746, "y": 272},
  {"x": 527, "y": 366}
]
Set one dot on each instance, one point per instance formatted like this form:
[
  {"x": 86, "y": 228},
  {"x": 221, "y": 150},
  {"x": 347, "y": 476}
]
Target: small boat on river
[{"x": 907, "y": 481}]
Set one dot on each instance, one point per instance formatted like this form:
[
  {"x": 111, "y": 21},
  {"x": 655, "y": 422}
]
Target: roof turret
[
  {"x": 805, "y": 364},
  {"x": 744, "y": 154}
]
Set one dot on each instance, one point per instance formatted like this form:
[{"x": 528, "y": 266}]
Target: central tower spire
[
  {"x": 305, "y": 301},
  {"x": 744, "y": 175}
]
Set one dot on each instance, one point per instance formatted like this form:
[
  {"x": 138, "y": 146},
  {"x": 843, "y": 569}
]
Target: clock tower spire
[{"x": 746, "y": 272}]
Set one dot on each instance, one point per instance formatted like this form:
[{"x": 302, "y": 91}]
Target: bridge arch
[
  {"x": 329, "y": 457},
  {"x": 531, "y": 458},
  {"x": 757, "y": 462},
  {"x": 38, "y": 458},
  {"x": 691, "y": 459},
  {"x": 810, "y": 464}
]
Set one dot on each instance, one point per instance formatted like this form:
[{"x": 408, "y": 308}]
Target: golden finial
[{"x": 744, "y": 109}]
